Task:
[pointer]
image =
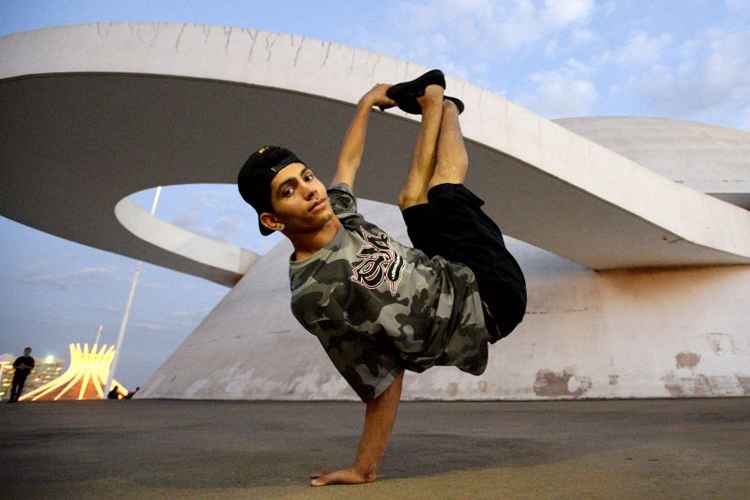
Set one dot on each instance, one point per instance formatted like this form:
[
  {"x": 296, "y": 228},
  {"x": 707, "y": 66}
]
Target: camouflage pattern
[{"x": 378, "y": 306}]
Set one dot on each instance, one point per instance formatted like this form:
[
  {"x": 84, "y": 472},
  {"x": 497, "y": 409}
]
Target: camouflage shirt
[{"x": 378, "y": 306}]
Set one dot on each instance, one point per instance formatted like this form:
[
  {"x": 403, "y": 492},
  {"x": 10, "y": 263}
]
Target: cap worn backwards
[{"x": 255, "y": 176}]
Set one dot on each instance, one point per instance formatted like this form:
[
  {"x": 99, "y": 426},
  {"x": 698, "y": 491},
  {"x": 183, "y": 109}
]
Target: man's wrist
[
  {"x": 366, "y": 102},
  {"x": 366, "y": 469}
]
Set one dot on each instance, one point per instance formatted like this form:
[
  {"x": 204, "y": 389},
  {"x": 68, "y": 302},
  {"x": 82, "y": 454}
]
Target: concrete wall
[{"x": 587, "y": 334}]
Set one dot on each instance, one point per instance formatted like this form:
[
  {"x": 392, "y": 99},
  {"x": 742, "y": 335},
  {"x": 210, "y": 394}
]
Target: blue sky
[{"x": 686, "y": 59}]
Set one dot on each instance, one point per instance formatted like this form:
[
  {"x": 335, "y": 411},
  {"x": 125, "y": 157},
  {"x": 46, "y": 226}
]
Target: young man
[
  {"x": 23, "y": 365},
  {"x": 377, "y": 306}
]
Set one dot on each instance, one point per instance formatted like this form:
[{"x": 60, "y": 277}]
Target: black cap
[{"x": 254, "y": 179}]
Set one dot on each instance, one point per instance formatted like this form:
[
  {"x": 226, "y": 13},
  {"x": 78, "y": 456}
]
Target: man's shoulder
[
  {"x": 325, "y": 273},
  {"x": 342, "y": 199}
]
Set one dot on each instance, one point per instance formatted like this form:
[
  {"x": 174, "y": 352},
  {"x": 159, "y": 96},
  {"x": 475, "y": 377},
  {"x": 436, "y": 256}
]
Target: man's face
[
  {"x": 26, "y": 351},
  {"x": 299, "y": 200}
]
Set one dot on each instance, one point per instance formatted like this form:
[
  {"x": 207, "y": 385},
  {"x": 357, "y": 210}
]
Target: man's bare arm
[
  {"x": 379, "y": 419},
  {"x": 353, "y": 146}
]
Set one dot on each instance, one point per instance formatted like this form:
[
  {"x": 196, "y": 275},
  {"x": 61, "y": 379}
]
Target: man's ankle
[{"x": 433, "y": 95}]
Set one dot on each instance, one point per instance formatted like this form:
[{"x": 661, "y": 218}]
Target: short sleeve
[
  {"x": 369, "y": 365},
  {"x": 342, "y": 200}
]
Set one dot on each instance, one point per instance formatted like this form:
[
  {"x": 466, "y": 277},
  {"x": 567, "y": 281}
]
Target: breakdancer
[{"x": 379, "y": 307}]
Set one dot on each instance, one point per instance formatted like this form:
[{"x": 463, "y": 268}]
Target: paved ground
[{"x": 219, "y": 449}]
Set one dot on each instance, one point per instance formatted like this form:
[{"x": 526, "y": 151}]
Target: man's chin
[{"x": 317, "y": 225}]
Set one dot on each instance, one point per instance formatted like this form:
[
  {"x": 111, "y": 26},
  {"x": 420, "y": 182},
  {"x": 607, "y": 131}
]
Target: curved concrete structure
[
  {"x": 93, "y": 113},
  {"x": 708, "y": 158},
  {"x": 587, "y": 334}
]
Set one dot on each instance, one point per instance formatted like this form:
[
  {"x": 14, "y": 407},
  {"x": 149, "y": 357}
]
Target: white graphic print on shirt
[{"x": 376, "y": 262}]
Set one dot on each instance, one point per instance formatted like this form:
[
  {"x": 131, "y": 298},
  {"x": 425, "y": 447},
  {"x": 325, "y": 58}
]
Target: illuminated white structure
[
  {"x": 638, "y": 281},
  {"x": 85, "y": 378}
]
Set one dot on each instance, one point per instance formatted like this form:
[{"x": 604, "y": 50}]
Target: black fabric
[
  {"x": 27, "y": 360},
  {"x": 453, "y": 225},
  {"x": 16, "y": 388},
  {"x": 405, "y": 93}
]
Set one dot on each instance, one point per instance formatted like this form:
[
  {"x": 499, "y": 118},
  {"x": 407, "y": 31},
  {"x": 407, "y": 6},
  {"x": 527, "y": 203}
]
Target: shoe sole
[
  {"x": 458, "y": 102},
  {"x": 405, "y": 93}
]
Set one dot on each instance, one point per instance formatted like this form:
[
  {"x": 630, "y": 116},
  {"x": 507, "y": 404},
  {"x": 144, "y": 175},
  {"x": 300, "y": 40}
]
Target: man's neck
[{"x": 307, "y": 244}]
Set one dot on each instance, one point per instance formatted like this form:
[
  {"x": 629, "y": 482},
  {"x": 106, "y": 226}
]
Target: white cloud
[
  {"x": 563, "y": 92},
  {"x": 64, "y": 281},
  {"x": 582, "y": 36},
  {"x": 152, "y": 326},
  {"x": 640, "y": 49},
  {"x": 738, "y": 5},
  {"x": 455, "y": 35},
  {"x": 227, "y": 225},
  {"x": 551, "y": 48},
  {"x": 710, "y": 81},
  {"x": 212, "y": 200},
  {"x": 110, "y": 308},
  {"x": 217, "y": 226},
  {"x": 565, "y": 12},
  {"x": 189, "y": 318},
  {"x": 186, "y": 314},
  {"x": 608, "y": 8}
]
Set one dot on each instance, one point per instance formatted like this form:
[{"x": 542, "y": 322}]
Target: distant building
[{"x": 85, "y": 377}]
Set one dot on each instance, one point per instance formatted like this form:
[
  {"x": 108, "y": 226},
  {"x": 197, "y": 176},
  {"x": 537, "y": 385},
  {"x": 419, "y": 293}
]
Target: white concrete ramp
[{"x": 93, "y": 113}]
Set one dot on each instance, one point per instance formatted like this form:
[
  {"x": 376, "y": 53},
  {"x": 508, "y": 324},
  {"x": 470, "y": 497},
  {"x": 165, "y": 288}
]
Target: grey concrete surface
[{"x": 694, "y": 448}]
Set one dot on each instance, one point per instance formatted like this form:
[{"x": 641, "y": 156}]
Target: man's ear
[{"x": 271, "y": 222}]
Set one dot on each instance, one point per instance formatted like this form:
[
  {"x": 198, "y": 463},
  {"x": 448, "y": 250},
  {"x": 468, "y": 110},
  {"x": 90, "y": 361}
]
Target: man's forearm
[
  {"x": 379, "y": 419},
  {"x": 353, "y": 146}
]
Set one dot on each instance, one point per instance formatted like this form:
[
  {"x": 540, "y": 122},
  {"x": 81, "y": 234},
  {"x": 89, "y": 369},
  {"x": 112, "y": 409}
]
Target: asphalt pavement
[{"x": 644, "y": 449}]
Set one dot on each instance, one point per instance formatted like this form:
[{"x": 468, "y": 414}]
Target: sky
[{"x": 683, "y": 59}]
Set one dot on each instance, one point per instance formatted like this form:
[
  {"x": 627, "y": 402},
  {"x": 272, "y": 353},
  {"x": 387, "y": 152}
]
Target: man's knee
[
  {"x": 408, "y": 199},
  {"x": 442, "y": 178}
]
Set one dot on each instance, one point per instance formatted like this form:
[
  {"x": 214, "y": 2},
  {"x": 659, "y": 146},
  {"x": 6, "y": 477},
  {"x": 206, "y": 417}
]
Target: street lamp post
[{"x": 125, "y": 317}]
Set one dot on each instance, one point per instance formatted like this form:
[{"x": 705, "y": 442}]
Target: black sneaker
[
  {"x": 405, "y": 93},
  {"x": 455, "y": 100}
]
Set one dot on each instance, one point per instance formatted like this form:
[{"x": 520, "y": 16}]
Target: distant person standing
[{"x": 23, "y": 366}]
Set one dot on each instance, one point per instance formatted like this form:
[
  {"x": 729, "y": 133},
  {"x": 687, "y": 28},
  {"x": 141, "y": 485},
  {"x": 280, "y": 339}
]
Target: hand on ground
[{"x": 343, "y": 476}]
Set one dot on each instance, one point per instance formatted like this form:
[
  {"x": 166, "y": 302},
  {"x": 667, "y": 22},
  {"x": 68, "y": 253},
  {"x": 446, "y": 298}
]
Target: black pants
[
  {"x": 453, "y": 225},
  {"x": 17, "y": 387}
]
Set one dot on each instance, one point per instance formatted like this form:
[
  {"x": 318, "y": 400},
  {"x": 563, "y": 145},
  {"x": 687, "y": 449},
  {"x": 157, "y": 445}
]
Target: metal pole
[
  {"x": 133, "y": 285},
  {"x": 98, "y": 334}
]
